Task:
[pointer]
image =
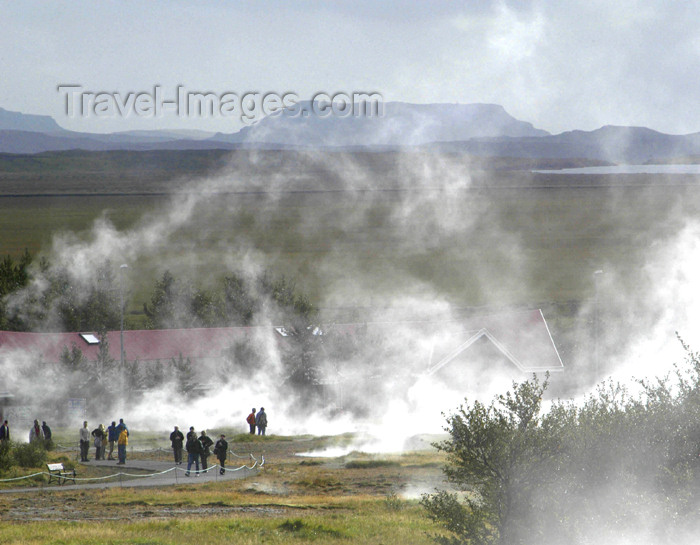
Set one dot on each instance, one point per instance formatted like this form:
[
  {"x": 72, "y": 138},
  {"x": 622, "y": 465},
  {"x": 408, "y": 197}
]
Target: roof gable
[{"x": 522, "y": 337}]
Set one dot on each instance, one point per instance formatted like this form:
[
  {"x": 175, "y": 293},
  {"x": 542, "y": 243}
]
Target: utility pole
[{"x": 121, "y": 331}]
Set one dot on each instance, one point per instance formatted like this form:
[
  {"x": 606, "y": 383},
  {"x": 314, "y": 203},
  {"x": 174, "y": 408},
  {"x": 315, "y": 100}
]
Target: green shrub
[
  {"x": 369, "y": 464},
  {"x": 243, "y": 438},
  {"x": 30, "y": 454},
  {"x": 581, "y": 472},
  {"x": 302, "y": 530},
  {"x": 310, "y": 463},
  {"x": 6, "y": 460},
  {"x": 293, "y": 525},
  {"x": 393, "y": 502}
]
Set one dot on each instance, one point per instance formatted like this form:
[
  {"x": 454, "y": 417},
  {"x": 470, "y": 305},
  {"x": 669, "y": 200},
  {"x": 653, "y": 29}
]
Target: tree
[
  {"x": 239, "y": 306},
  {"x": 59, "y": 301},
  {"x": 184, "y": 375},
  {"x": 100, "y": 310},
  {"x": 206, "y": 309},
  {"x": 154, "y": 375},
  {"x": 13, "y": 277},
  {"x": 72, "y": 360},
  {"x": 303, "y": 363},
  {"x": 235, "y": 302},
  {"x": 162, "y": 311},
  {"x": 103, "y": 376},
  {"x": 105, "y": 366},
  {"x": 502, "y": 453},
  {"x": 134, "y": 378},
  {"x": 241, "y": 359},
  {"x": 290, "y": 306},
  {"x": 73, "y": 365},
  {"x": 177, "y": 304}
]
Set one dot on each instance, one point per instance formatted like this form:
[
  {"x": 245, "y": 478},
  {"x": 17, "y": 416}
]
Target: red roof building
[
  {"x": 522, "y": 337},
  {"x": 142, "y": 345}
]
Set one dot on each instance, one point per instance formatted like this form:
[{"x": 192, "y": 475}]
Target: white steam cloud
[{"x": 417, "y": 204}]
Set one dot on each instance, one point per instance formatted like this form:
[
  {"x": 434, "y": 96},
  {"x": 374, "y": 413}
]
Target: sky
[{"x": 561, "y": 65}]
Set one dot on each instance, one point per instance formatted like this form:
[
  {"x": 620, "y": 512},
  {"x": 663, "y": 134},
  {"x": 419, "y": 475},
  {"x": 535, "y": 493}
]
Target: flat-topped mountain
[
  {"x": 16, "y": 121},
  {"x": 401, "y": 124}
]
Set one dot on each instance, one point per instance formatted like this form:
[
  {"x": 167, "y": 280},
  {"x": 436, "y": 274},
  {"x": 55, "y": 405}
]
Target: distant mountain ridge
[
  {"x": 401, "y": 124},
  {"x": 633, "y": 145},
  {"x": 485, "y": 130},
  {"x": 16, "y": 121}
]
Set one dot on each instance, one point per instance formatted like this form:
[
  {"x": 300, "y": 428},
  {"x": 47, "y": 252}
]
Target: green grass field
[{"x": 465, "y": 244}]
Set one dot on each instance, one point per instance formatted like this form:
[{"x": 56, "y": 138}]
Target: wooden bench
[{"x": 58, "y": 473}]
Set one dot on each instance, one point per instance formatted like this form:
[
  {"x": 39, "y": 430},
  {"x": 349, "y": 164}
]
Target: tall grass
[{"x": 368, "y": 523}]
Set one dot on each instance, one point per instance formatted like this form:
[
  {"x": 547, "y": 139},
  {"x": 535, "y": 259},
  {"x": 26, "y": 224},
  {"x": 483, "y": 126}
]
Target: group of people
[
  {"x": 114, "y": 434},
  {"x": 38, "y": 432},
  {"x": 198, "y": 448},
  {"x": 258, "y": 421}
]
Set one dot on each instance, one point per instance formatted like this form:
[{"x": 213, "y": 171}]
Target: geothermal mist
[{"x": 429, "y": 204}]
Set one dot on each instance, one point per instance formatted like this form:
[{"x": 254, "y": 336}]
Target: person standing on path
[
  {"x": 194, "y": 449},
  {"x": 5, "y": 431},
  {"x": 261, "y": 421},
  {"x": 221, "y": 451},
  {"x": 112, "y": 436},
  {"x": 84, "y": 442},
  {"x": 206, "y": 442},
  {"x": 251, "y": 421},
  {"x": 177, "y": 440},
  {"x": 122, "y": 426},
  {"x": 104, "y": 441},
  {"x": 36, "y": 433},
  {"x": 122, "y": 442},
  {"x": 98, "y": 434}
]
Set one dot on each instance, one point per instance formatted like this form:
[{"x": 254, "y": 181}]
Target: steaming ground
[{"x": 411, "y": 238}]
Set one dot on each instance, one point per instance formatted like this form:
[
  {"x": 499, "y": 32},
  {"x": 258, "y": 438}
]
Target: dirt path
[{"x": 146, "y": 473}]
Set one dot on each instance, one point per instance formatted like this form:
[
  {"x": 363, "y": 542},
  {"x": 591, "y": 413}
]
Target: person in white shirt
[{"x": 84, "y": 442}]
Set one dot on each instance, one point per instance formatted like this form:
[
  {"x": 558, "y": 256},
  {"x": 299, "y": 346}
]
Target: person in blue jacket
[
  {"x": 194, "y": 449},
  {"x": 261, "y": 421}
]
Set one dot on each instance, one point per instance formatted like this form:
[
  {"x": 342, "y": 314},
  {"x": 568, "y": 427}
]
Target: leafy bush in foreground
[{"x": 615, "y": 466}]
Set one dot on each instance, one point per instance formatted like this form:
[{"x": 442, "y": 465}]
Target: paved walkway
[{"x": 159, "y": 473}]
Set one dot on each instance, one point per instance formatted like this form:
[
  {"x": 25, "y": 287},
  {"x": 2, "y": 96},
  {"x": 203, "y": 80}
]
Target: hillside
[{"x": 401, "y": 124}]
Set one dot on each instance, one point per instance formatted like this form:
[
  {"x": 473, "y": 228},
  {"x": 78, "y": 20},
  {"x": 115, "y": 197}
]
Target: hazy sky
[{"x": 561, "y": 64}]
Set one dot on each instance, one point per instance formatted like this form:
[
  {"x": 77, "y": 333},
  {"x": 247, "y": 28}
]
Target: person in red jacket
[{"x": 251, "y": 421}]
